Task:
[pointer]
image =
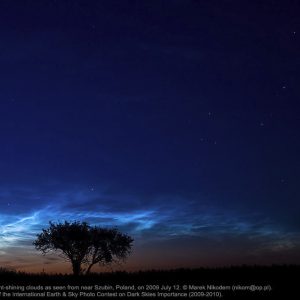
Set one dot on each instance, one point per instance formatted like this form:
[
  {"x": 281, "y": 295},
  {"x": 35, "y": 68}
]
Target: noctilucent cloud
[{"x": 175, "y": 121}]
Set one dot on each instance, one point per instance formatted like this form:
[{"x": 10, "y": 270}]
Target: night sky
[{"x": 176, "y": 121}]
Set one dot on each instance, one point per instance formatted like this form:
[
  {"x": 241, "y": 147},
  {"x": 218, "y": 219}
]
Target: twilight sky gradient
[{"x": 176, "y": 121}]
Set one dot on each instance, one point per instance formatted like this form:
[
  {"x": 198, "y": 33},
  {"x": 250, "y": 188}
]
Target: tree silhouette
[
  {"x": 82, "y": 244},
  {"x": 107, "y": 246}
]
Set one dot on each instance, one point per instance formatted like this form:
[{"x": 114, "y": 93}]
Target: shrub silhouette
[{"x": 81, "y": 244}]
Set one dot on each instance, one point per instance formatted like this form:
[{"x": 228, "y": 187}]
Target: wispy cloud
[{"x": 162, "y": 219}]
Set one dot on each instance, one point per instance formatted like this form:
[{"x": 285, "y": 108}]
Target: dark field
[{"x": 244, "y": 282}]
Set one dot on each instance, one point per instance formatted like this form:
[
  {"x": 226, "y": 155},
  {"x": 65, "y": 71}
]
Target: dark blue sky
[{"x": 174, "y": 120}]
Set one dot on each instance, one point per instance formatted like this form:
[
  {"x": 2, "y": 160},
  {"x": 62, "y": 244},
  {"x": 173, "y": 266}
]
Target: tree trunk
[
  {"x": 76, "y": 267},
  {"x": 89, "y": 269}
]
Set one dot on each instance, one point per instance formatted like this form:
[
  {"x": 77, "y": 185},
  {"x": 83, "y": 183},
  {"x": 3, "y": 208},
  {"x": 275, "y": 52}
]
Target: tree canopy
[{"x": 84, "y": 245}]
